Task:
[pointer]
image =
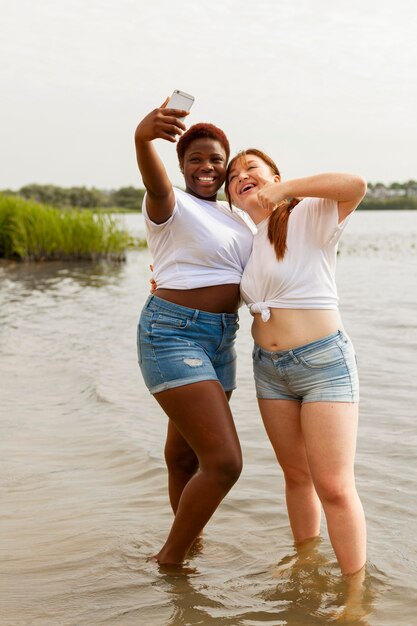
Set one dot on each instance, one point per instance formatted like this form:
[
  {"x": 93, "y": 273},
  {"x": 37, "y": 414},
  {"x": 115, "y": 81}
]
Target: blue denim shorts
[
  {"x": 322, "y": 371},
  {"x": 179, "y": 346}
]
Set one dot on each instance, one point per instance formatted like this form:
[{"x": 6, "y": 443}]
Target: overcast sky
[{"x": 319, "y": 84}]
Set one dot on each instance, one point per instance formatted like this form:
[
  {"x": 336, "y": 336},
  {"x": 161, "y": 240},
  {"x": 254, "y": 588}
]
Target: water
[{"x": 82, "y": 479}]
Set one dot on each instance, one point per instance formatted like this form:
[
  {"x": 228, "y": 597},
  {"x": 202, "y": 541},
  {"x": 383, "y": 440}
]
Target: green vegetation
[
  {"x": 30, "y": 231},
  {"x": 396, "y": 196},
  {"x": 126, "y": 198},
  {"x": 396, "y": 203}
]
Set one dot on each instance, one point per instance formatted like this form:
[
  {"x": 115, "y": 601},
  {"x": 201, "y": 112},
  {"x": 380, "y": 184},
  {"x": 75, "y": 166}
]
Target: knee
[
  {"x": 336, "y": 493},
  {"x": 180, "y": 462},
  {"x": 227, "y": 469},
  {"x": 297, "y": 477}
]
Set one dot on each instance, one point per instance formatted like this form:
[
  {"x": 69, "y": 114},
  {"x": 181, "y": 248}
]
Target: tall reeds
[{"x": 32, "y": 232}]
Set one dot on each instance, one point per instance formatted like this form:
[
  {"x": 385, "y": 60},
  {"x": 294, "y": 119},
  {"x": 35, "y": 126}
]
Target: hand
[
  {"x": 271, "y": 195},
  {"x": 154, "y": 286},
  {"x": 161, "y": 123}
]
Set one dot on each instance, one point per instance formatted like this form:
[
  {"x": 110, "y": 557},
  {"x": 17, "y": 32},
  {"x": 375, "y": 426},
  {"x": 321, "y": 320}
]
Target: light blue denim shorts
[
  {"x": 179, "y": 346},
  {"x": 322, "y": 371}
]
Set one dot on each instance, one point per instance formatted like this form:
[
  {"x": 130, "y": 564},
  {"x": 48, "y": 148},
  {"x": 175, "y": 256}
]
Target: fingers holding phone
[
  {"x": 167, "y": 121},
  {"x": 180, "y": 102},
  {"x": 160, "y": 123}
]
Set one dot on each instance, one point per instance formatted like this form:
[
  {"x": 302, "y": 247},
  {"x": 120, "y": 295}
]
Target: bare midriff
[
  {"x": 290, "y": 328},
  {"x": 215, "y": 299}
]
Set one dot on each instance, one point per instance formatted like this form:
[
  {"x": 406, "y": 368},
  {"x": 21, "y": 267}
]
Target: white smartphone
[{"x": 180, "y": 100}]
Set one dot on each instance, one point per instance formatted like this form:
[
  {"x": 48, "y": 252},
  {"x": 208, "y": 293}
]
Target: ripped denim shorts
[{"x": 179, "y": 346}]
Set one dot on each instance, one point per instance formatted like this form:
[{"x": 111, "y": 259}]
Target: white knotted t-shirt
[
  {"x": 305, "y": 277},
  {"x": 202, "y": 244}
]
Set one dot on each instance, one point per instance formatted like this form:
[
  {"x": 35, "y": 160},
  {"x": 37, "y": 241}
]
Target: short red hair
[{"x": 198, "y": 131}]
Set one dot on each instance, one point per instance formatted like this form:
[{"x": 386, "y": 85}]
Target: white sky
[{"x": 319, "y": 84}]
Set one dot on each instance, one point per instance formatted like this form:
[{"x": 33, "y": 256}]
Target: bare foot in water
[
  {"x": 306, "y": 552},
  {"x": 354, "y": 609},
  {"x": 197, "y": 546}
]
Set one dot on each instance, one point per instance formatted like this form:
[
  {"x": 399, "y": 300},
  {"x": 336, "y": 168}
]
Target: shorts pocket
[
  {"x": 348, "y": 352},
  {"x": 321, "y": 358},
  {"x": 161, "y": 320},
  {"x": 231, "y": 332}
]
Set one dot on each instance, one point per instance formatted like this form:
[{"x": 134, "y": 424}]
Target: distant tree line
[
  {"x": 395, "y": 196},
  {"x": 379, "y": 190},
  {"x": 399, "y": 203},
  {"x": 81, "y": 197}
]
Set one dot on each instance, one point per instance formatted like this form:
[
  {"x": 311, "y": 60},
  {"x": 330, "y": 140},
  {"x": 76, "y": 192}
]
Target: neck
[
  {"x": 209, "y": 199},
  {"x": 258, "y": 214}
]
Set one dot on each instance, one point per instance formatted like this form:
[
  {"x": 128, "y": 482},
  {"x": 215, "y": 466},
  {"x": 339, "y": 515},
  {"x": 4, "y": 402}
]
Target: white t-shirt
[
  {"x": 202, "y": 244},
  {"x": 305, "y": 277}
]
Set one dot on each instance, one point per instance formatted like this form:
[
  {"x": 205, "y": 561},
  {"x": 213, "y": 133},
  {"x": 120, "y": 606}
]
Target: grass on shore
[{"x": 37, "y": 232}]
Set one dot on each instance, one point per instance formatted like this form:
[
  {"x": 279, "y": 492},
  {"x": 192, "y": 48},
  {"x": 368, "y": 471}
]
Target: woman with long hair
[{"x": 304, "y": 363}]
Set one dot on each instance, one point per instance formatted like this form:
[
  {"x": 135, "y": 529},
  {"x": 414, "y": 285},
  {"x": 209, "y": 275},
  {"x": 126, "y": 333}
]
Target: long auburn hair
[{"x": 278, "y": 220}]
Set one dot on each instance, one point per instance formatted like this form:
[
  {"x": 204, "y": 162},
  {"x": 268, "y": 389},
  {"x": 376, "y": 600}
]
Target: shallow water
[{"x": 82, "y": 479}]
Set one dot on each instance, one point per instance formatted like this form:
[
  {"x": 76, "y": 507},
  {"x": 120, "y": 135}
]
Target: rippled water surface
[{"x": 82, "y": 479}]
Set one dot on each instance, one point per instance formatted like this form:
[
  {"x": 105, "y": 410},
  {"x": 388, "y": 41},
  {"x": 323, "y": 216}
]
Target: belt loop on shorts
[
  {"x": 294, "y": 358},
  {"x": 195, "y": 316}
]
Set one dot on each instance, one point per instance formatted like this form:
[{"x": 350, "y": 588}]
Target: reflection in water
[
  {"x": 46, "y": 276},
  {"x": 315, "y": 590},
  {"x": 189, "y": 604},
  {"x": 304, "y": 589}
]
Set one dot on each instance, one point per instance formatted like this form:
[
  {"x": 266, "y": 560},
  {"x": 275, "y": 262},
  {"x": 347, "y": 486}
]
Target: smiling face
[
  {"x": 247, "y": 174},
  {"x": 204, "y": 168}
]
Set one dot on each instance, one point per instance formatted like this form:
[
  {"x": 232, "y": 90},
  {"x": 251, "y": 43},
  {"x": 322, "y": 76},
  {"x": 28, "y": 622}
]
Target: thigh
[
  {"x": 330, "y": 430},
  {"x": 282, "y": 423},
  {"x": 202, "y": 416}
]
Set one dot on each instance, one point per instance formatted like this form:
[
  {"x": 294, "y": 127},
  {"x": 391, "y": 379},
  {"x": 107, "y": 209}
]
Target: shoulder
[
  {"x": 244, "y": 217},
  {"x": 321, "y": 217},
  {"x": 181, "y": 196},
  {"x": 180, "y": 202},
  {"x": 315, "y": 210},
  {"x": 184, "y": 200}
]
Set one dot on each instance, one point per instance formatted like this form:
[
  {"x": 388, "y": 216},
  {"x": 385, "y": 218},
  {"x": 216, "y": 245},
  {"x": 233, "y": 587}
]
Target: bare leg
[
  {"x": 329, "y": 431},
  {"x": 181, "y": 461},
  {"x": 283, "y": 426},
  {"x": 202, "y": 416}
]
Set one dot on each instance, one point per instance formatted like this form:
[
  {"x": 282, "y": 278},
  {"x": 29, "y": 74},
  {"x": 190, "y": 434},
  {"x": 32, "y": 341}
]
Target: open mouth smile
[
  {"x": 206, "y": 180},
  {"x": 247, "y": 187}
]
